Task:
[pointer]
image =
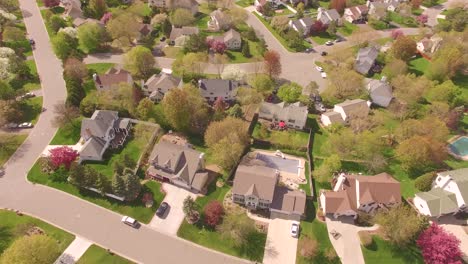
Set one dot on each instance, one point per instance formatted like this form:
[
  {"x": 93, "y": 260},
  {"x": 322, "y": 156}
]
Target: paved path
[
  {"x": 77, "y": 216},
  {"x": 280, "y": 247},
  {"x": 74, "y": 251}
]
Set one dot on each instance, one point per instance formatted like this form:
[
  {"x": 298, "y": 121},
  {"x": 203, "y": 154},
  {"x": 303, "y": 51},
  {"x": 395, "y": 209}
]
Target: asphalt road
[{"x": 77, "y": 216}]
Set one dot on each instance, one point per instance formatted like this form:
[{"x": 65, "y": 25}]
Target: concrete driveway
[
  {"x": 280, "y": 246},
  {"x": 454, "y": 226},
  {"x": 173, "y": 217},
  {"x": 347, "y": 246}
]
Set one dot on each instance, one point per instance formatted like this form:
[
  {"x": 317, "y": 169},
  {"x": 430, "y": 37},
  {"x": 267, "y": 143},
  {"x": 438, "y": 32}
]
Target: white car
[
  {"x": 28, "y": 95},
  {"x": 329, "y": 43},
  {"x": 324, "y": 75},
  {"x": 320, "y": 69},
  {"x": 129, "y": 221},
  {"x": 25, "y": 125},
  {"x": 295, "y": 229}
]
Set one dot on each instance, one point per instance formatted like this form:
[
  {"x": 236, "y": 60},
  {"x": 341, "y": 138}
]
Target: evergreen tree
[
  {"x": 102, "y": 184},
  {"x": 246, "y": 49},
  {"x": 90, "y": 176},
  {"x": 166, "y": 28},
  {"x": 118, "y": 185},
  {"x": 133, "y": 186},
  {"x": 76, "y": 174}
]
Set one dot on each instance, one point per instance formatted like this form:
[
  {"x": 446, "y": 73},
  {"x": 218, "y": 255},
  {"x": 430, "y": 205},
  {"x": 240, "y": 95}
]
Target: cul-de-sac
[{"x": 233, "y": 131}]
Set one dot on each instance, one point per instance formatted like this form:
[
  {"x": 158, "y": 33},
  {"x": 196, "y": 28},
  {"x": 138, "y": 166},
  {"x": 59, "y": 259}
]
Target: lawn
[
  {"x": 32, "y": 84},
  {"x": 12, "y": 224},
  {"x": 381, "y": 251},
  {"x": 322, "y": 38},
  {"x": 135, "y": 209},
  {"x": 347, "y": 28},
  {"x": 245, "y": 3},
  {"x": 68, "y": 134},
  {"x": 172, "y": 52},
  {"x": 306, "y": 186},
  {"x": 207, "y": 237},
  {"x": 31, "y": 109},
  {"x": 238, "y": 57},
  {"x": 418, "y": 65},
  {"x": 14, "y": 141},
  {"x": 96, "y": 254},
  {"x": 99, "y": 68},
  {"x": 313, "y": 228},
  {"x": 401, "y": 20}
]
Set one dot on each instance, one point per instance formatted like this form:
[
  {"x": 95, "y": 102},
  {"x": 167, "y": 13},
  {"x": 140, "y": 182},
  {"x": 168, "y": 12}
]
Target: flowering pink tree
[
  {"x": 422, "y": 19},
  {"x": 317, "y": 27},
  {"x": 439, "y": 247},
  {"x": 106, "y": 17},
  {"x": 63, "y": 156},
  {"x": 396, "y": 33},
  {"x": 51, "y": 3},
  {"x": 217, "y": 46}
]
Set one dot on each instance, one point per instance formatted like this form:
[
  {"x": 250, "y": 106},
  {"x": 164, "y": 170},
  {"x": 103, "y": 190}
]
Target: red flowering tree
[
  {"x": 217, "y": 46},
  {"x": 106, "y": 17},
  {"x": 62, "y": 156},
  {"x": 317, "y": 28},
  {"x": 213, "y": 213},
  {"x": 439, "y": 247},
  {"x": 396, "y": 33},
  {"x": 422, "y": 19},
  {"x": 51, "y": 3}
]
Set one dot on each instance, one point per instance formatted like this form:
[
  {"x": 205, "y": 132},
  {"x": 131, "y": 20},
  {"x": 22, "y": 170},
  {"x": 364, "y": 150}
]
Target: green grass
[
  {"x": 461, "y": 80},
  {"x": 99, "y": 68},
  {"x": 285, "y": 140},
  {"x": 238, "y": 57},
  {"x": 33, "y": 84},
  {"x": 202, "y": 21},
  {"x": 39, "y": 3},
  {"x": 381, "y": 251},
  {"x": 313, "y": 228},
  {"x": 245, "y": 3},
  {"x": 322, "y": 38},
  {"x": 68, "y": 134},
  {"x": 11, "y": 225},
  {"x": 306, "y": 186},
  {"x": 31, "y": 109},
  {"x": 406, "y": 181},
  {"x": 96, "y": 254},
  {"x": 207, "y": 237},
  {"x": 418, "y": 65},
  {"x": 347, "y": 28},
  {"x": 14, "y": 142},
  {"x": 135, "y": 209},
  {"x": 417, "y": 11},
  {"x": 172, "y": 52},
  {"x": 404, "y": 21}
]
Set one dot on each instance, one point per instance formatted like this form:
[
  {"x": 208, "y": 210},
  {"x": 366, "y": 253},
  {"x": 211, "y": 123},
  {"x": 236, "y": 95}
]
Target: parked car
[
  {"x": 295, "y": 229},
  {"x": 162, "y": 39},
  {"x": 308, "y": 50},
  {"x": 320, "y": 69},
  {"x": 28, "y": 95},
  {"x": 329, "y": 43},
  {"x": 324, "y": 75},
  {"x": 25, "y": 125},
  {"x": 324, "y": 53},
  {"x": 129, "y": 221},
  {"x": 339, "y": 40},
  {"x": 162, "y": 209}
]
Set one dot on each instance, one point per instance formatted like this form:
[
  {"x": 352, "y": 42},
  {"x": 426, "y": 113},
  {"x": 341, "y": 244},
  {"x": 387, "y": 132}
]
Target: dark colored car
[
  {"x": 162, "y": 209},
  {"x": 324, "y": 53},
  {"x": 162, "y": 39}
]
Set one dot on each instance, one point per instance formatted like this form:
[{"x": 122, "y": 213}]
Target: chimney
[
  {"x": 202, "y": 160},
  {"x": 95, "y": 77}
]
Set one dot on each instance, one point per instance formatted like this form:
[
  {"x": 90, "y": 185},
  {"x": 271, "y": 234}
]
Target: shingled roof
[
  {"x": 255, "y": 180},
  {"x": 98, "y": 124},
  {"x": 365, "y": 59}
]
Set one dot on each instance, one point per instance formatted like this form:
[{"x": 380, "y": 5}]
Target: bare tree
[{"x": 65, "y": 115}]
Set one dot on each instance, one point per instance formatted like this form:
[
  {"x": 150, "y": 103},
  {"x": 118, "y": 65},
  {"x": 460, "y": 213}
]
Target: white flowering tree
[{"x": 70, "y": 31}]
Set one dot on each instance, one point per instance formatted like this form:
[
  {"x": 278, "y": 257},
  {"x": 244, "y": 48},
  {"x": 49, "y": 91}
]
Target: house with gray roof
[
  {"x": 256, "y": 187},
  {"x": 449, "y": 194},
  {"x": 179, "y": 165},
  {"x": 180, "y": 35},
  {"x": 302, "y": 25},
  {"x": 103, "y": 130},
  {"x": 365, "y": 60},
  {"x": 112, "y": 79},
  {"x": 219, "y": 20},
  {"x": 327, "y": 16},
  {"x": 293, "y": 115},
  {"x": 231, "y": 38},
  {"x": 159, "y": 84},
  {"x": 212, "y": 89},
  {"x": 380, "y": 92}
]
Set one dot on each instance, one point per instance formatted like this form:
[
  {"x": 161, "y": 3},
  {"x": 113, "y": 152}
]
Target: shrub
[
  {"x": 366, "y": 238},
  {"x": 364, "y": 219},
  {"x": 308, "y": 247},
  {"x": 424, "y": 182},
  {"x": 59, "y": 175},
  {"x": 213, "y": 213},
  {"x": 330, "y": 254}
]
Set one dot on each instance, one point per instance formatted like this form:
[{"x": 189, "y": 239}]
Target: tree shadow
[{"x": 5, "y": 237}]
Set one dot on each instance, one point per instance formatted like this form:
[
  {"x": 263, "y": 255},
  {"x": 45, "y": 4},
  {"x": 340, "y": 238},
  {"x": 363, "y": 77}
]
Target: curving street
[{"x": 77, "y": 216}]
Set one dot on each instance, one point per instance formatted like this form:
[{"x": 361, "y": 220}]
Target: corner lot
[{"x": 280, "y": 246}]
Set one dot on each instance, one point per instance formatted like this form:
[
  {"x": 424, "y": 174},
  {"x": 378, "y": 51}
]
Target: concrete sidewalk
[{"x": 74, "y": 251}]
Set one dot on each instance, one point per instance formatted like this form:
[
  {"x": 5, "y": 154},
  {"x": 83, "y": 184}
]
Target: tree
[
  {"x": 12, "y": 34},
  {"x": 123, "y": 27},
  {"x": 404, "y": 48},
  {"x": 422, "y": 19},
  {"x": 308, "y": 247},
  {"x": 416, "y": 3},
  {"x": 330, "y": 165},
  {"x": 428, "y": 127},
  {"x": 262, "y": 83},
  {"x": 51, "y": 3},
  {"x": 218, "y": 130},
  {"x": 280, "y": 23},
  {"x": 91, "y": 37},
  {"x": 248, "y": 96},
  {"x": 237, "y": 226},
  {"x": 217, "y": 46},
  {"x": 97, "y": 8},
  {"x": 75, "y": 69},
  {"x": 139, "y": 61},
  {"x": 317, "y": 28},
  {"x": 41, "y": 249},
  {"x": 145, "y": 109},
  {"x": 344, "y": 83},
  {"x": 214, "y": 212},
  {"x": 237, "y": 15},
  {"x": 446, "y": 92},
  {"x": 166, "y": 27},
  {"x": 63, "y": 156},
  {"x": 9, "y": 5},
  {"x": 225, "y": 4},
  {"x": 455, "y": 19},
  {"x": 394, "y": 68},
  {"x": 190, "y": 63},
  {"x": 396, "y": 33},
  {"x": 290, "y": 92},
  {"x": 331, "y": 29},
  {"x": 272, "y": 63},
  {"x": 102, "y": 184},
  {"x": 132, "y": 186},
  {"x": 420, "y": 153},
  {"x": 64, "y": 45},
  {"x": 6, "y": 92},
  {"x": 339, "y": 5},
  {"x": 195, "y": 43},
  {"x": 181, "y": 17},
  {"x": 189, "y": 207},
  {"x": 65, "y": 115},
  {"x": 56, "y": 22},
  {"x": 9, "y": 111},
  {"x": 300, "y": 10},
  {"x": 400, "y": 224},
  {"x": 246, "y": 49},
  {"x": 409, "y": 88},
  {"x": 158, "y": 19},
  {"x": 235, "y": 111},
  {"x": 439, "y": 246},
  {"x": 424, "y": 182},
  {"x": 76, "y": 174}
]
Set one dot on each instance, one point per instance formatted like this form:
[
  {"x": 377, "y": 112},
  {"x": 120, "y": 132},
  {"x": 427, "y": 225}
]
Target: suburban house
[
  {"x": 104, "y": 129},
  {"x": 180, "y": 35},
  {"x": 302, "y": 25},
  {"x": 219, "y": 21},
  {"x": 327, "y": 16},
  {"x": 292, "y": 115},
  {"x": 365, "y": 60},
  {"x": 143, "y": 31},
  {"x": 378, "y": 9},
  {"x": 256, "y": 187},
  {"x": 79, "y": 21},
  {"x": 449, "y": 194},
  {"x": 356, "y": 14},
  {"x": 191, "y": 5},
  {"x": 380, "y": 92},
  {"x": 159, "y": 84},
  {"x": 179, "y": 165},
  {"x": 72, "y": 8},
  {"x": 259, "y": 4},
  {"x": 231, "y": 38},
  {"x": 112, "y": 78},
  {"x": 212, "y": 89},
  {"x": 429, "y": 45},
  {"x": 343, "y": 112},
  {"x": 353, "y": 193}
]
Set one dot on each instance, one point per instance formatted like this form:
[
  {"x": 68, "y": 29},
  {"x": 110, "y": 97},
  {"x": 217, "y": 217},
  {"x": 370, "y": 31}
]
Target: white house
[
  {"x": 355, "y": 13},
  {"x": 327, "y": 16},
  {"x": 293, "y": 115},
  {"x": 343, "y": 112},
  {"x": 429, "y": 45}
]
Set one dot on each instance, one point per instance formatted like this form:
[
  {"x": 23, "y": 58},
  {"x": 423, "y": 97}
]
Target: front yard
[
  {"x": 96, "y": 254},
  {"x": 381, "y": 251},
  {"x": 347, "y": 28},
  {"x": 68, "y": 134},
  {"x": 31, "y": 109},
  {"x": 322, "y": 38},
  {"x": 12, "y": 143},
  {"x": 99, "y": 68}
]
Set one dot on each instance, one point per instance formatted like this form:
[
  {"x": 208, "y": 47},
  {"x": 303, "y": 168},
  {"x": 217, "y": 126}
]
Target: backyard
[
  {"x": 418, "y": 65},
  {"x": 96, "y": 254},
  {"x": 289, "y": 141}
]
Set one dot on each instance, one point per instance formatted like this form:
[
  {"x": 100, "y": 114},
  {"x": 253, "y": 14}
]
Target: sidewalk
[{"x": 74, "y": 251}]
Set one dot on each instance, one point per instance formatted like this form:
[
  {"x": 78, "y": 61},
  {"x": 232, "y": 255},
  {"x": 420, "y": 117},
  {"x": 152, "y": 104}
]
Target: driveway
[
  {"x": 280, "y": 246},
  {"x": 347, "y": 246},
  {"x": 173, "y": 217}
]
